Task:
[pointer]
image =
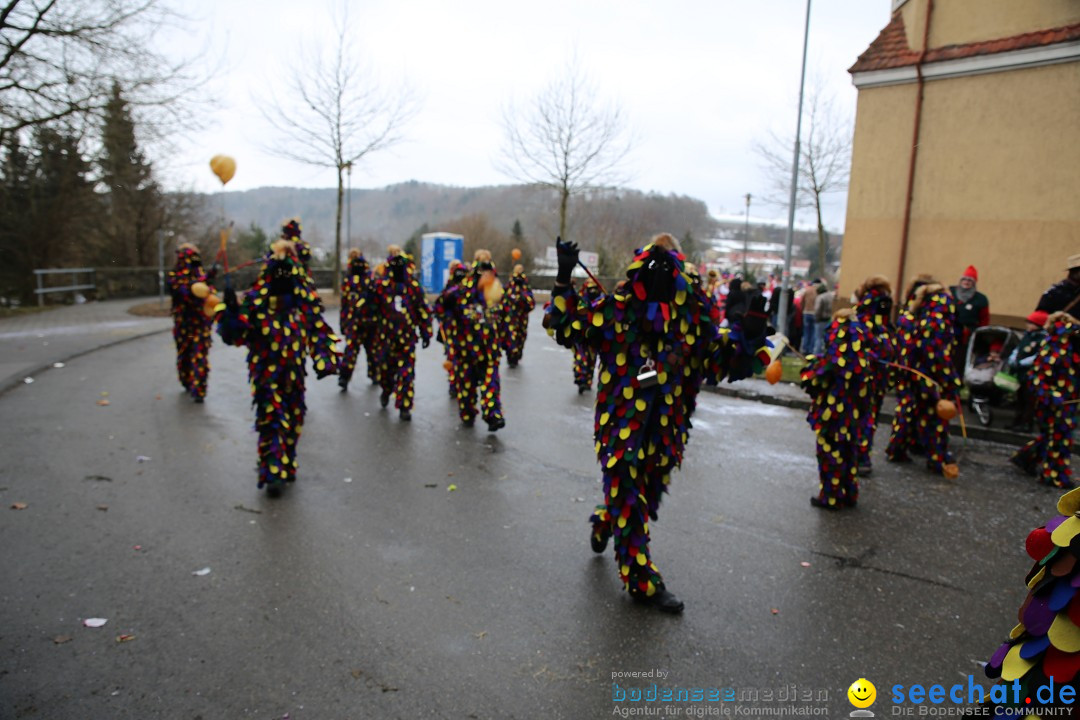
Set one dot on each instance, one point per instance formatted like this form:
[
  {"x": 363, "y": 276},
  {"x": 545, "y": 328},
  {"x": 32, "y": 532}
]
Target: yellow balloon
[
  {"x": 200, "y": 289},
  {"x": 224, "y": 167}
]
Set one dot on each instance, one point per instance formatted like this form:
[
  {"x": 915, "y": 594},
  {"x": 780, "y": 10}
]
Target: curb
[
  {"x": 974, "y": 432},
  {"x": 12, "y": 381}
]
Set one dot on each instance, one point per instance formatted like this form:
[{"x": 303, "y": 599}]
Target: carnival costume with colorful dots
[
  {"x": 585, "y": 353},
  {"x": 475, "y": 342},
  {"x": 1054, "y": 385},
  {"x": 653, "y": 323},
  {"x": 1045, "y": 645},
  {"x": 397, "y": 308},
  {"x": 355, "y": 285},
  {"x": 280, "y": 320},
  {"x": 839, "y": 384},
  {"x": 872, "y": 310},
  {"x": 517, "y": 303},
  {"x": 448, "y": 313},
  {"x": 925, "y": 341},
  {"x": 192, "y": 325}
]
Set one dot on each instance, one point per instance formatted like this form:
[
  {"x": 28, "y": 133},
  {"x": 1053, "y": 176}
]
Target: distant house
[{"x": 967, "y": 147}]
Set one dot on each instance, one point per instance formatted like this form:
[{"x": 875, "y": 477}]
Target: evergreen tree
[
  {"x": 133, "y": 197},
  {"x": 14, "y": 202}
]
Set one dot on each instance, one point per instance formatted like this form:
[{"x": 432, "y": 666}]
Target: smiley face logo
[{"x": 862, "y": 693}]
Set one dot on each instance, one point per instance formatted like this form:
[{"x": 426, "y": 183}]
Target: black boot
[
  {"x": 384, "y": 399},
  {"x": 406, "y": 416},
  {"x": 663, "y": 600},
  {"x": 598, "y": 540},
  {"x": 495, "y": 424}
]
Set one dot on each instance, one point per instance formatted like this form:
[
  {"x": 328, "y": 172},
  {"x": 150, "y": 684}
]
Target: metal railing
[{"x": 75, "y": 285}]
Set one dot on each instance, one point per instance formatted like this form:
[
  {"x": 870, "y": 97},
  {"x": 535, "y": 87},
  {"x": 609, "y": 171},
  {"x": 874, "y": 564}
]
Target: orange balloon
[
  {"x": 774, "y": 371},
  {"x": 946, "y": 410},
  {"x": 516, "y": 254},
  {"x": 200, "y": 289},
  {"x": 224, "y": 167}
]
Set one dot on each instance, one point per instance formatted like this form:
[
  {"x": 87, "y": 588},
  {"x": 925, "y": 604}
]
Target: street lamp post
[
  {"x": 781, "y": 319},
  {"x": 746, "y": 240}
]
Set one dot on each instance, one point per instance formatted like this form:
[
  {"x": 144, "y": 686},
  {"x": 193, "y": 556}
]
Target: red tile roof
[{"x": 890, "y": 49}]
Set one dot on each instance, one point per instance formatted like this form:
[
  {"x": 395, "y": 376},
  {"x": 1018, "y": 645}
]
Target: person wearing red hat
[
  {"x": 972, "y": 311},
  {"x": 1021, "y": 362}
]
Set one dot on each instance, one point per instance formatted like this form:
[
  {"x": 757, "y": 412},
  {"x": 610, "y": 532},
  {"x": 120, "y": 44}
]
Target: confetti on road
[
  {"x": 28, "y": 380},
  {"x": 124, "y": 638},
  {"x": 142, "y": 458},
  {"x": 805, "y": 564},
  {"x": 203, "y": 571},
  {"x": 103, "y": 403},
  {"x": 451, "y": 487},
  {"x": 61, "y": 639},
  {"x": 19, "y": 506},
  {"x": 94, "y": 622},
  {"x": 58, "y": 365}
]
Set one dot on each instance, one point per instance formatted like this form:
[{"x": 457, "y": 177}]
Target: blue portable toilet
[{"x": 437, "y": 249}]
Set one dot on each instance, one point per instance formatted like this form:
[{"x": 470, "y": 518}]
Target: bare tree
[
  {"x": 334, "y": 114},
  {"x": 566, "y": 139},
  {"x": 59, "y": 61},
  {"x": 824, "y": 165}
]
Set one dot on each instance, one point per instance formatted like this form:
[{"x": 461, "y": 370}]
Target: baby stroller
[{"x": 988, "y": 349}]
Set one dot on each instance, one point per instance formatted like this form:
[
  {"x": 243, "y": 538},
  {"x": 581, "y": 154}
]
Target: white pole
[{"x": 784, "y": 282}]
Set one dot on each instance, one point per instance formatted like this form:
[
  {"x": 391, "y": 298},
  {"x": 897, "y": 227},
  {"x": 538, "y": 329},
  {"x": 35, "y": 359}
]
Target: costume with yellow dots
[
  {"x": 1054, "y": 384},
  {"x": 1043, "y": 650},
  {"x": 873, "y": 309},
  {"x": 517, "y": 303},
  {"x": 838, "y": 384},
  {"x": 355, "y": 285},
  {"x": 399, "y": 313},
  {"x": 280, "y": 321},
  {"x": 650, "y": 335},
  {"x": 193, "y": 319},
  {"x": 475, "y": 342},
  {"x": 584, "y": 353},
  {"x": 924, "y": 336}
]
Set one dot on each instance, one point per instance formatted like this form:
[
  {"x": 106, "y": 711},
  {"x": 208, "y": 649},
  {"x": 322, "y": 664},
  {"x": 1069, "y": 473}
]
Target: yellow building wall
[
  {"x": 956, "y": 22},
  {"x": 879, "y": 160},
  {"x": 997, "y": 182}
]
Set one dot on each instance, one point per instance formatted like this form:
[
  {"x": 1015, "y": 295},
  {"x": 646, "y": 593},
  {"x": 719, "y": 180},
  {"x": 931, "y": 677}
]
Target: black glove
[
  {"x": 230, "y": 298},
  {"x": 567, "y": 254},
  {"x": 425, "y": 341}
]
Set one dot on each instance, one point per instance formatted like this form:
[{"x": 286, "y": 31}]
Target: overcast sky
[{"x": 699, "y": 81}]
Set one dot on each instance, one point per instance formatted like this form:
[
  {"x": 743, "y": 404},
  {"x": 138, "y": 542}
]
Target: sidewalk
[
  {"x": 31, "y": 343},
  {"x": 792, "y": 396}
]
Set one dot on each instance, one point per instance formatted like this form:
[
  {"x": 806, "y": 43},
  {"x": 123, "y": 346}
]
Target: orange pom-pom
[
  {"x": 946, "y": 410},
  {"x": 447, "y": 365},
  {"x": 951, "y": 471},
  {"x": 210, "y": 306},
  {"x": 774, "y": 372}
]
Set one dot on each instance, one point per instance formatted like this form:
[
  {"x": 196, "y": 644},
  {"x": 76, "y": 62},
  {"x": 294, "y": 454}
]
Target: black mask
[
  {"x": 483, "y": 267},
  {"x": 657, "y": 275},
  {"x": 397, "y": 269},
  {"x": 281, "y": 282},
  {"x": 459, "y": 273}
]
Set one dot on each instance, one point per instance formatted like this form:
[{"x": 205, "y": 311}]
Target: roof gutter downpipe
[{"x": 914, "y": 154}]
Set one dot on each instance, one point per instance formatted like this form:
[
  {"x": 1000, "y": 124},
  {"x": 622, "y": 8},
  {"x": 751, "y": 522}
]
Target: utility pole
[
  {"x": 781, "y": 319},
  {"x": 746, "y": 240},
  {"x": 348, "y": 205}
]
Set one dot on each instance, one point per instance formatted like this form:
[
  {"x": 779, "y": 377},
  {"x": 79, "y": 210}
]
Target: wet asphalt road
[{"x": 371, "y": 590}]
